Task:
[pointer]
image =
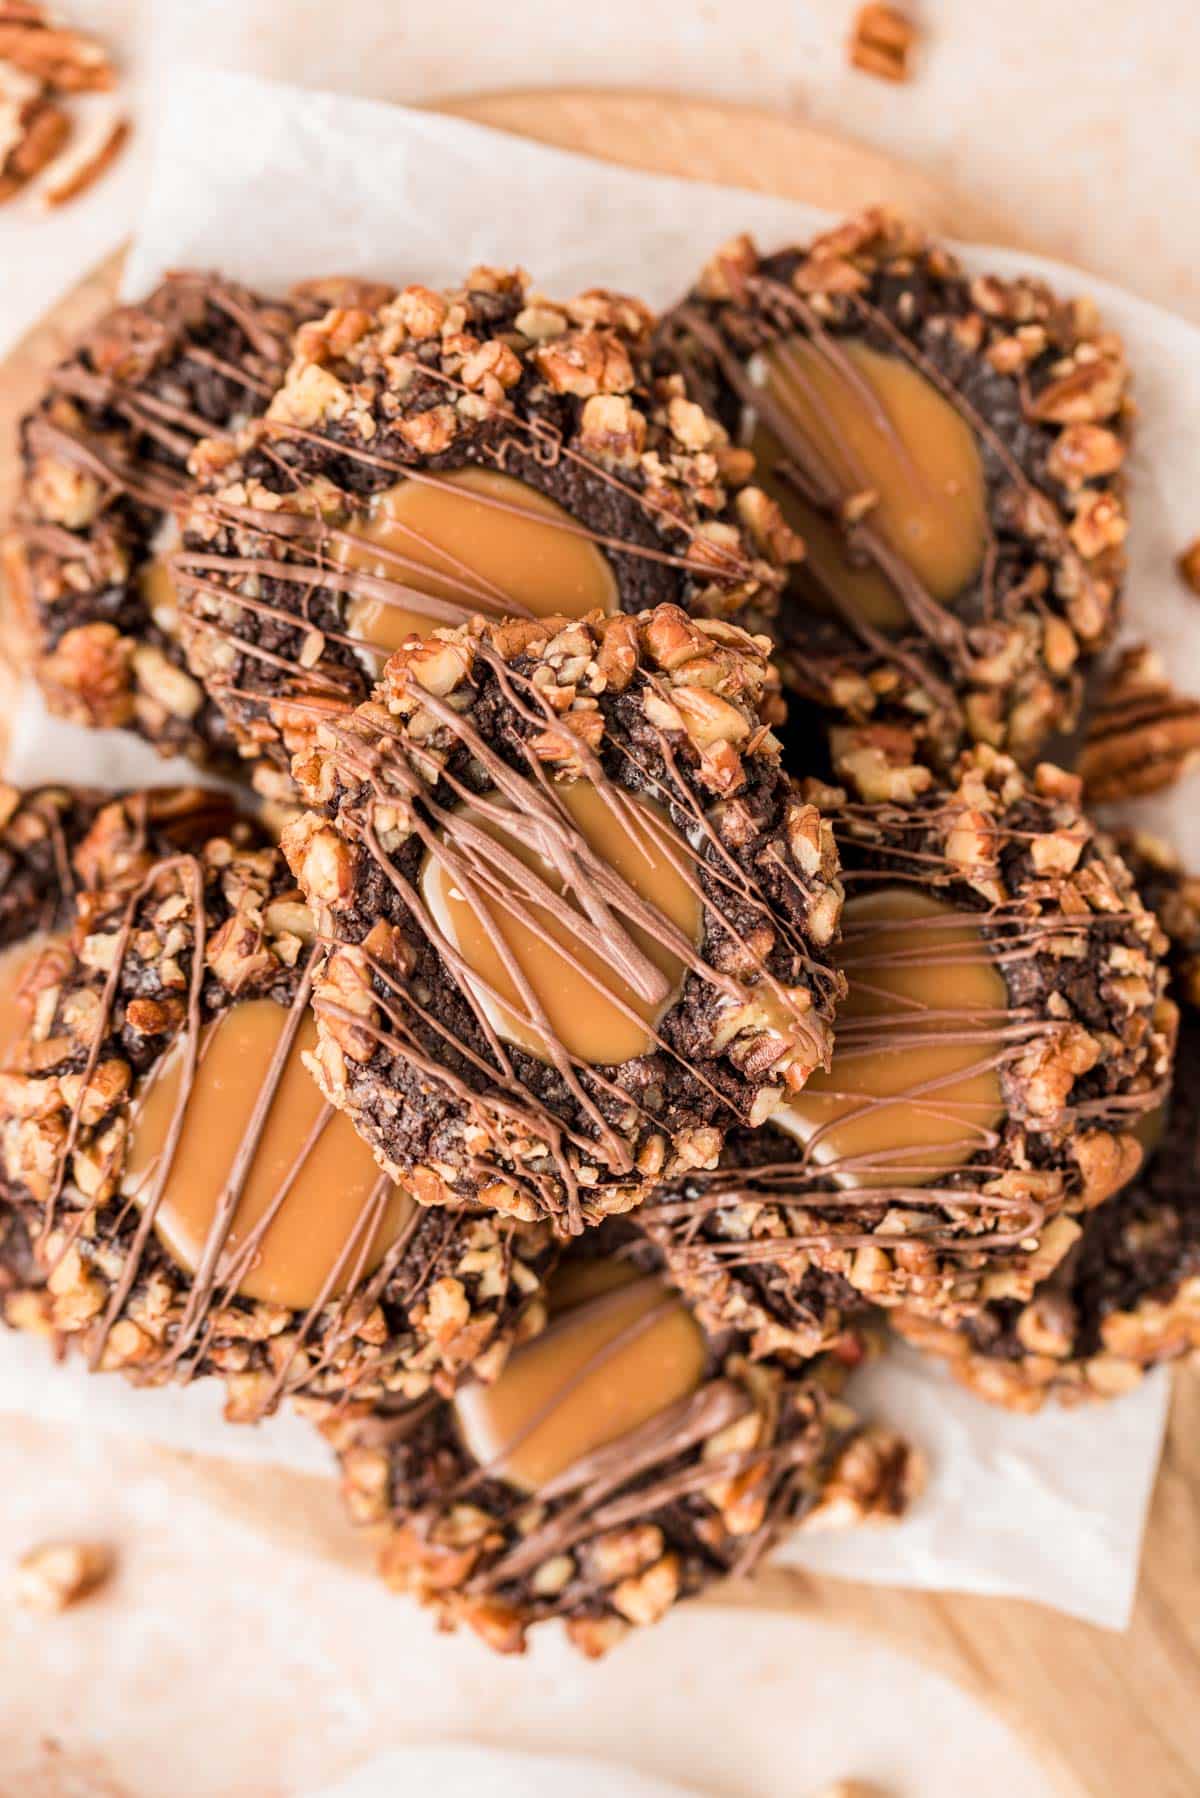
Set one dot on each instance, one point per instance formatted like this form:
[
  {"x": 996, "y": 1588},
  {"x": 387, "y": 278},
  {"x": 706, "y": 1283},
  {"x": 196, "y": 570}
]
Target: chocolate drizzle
[
  {"x": 106, "y": 454},
  {"x": 306, "y": 669},
  {"x": 1042, "y": 390},
  {"x": 266, "y": 585},
  {"x": 321, "y": 1348},
  {"x": 699, "y": 1490},
  {"x": 814, "y": 479},
  {"x": 1049, "y": 939},
  {"x": 385, "y": 775}
]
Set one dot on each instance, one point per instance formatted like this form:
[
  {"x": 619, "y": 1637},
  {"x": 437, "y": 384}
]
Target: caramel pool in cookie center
[
  {"x": 320, "y": 1176},
  {"x": 866, "y": 421},
  {"x": 620, "y": 1348},
  {"x": 495, "y": 915},
  {"x": 479, "y": 541},
  {"x": 913, "y": 1090}
]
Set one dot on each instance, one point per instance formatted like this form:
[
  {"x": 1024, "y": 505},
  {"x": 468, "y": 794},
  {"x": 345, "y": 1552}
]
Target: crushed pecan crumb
[{"x": 55, "y": 1575}]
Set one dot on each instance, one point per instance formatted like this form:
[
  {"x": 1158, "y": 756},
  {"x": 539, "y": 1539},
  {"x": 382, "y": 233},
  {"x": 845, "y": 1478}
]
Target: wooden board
[{"x": 1116, "y": 1715}]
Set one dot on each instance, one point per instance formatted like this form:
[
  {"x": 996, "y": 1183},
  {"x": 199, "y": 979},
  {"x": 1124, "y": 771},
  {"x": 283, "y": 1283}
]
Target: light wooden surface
[{"x": 1116, "y": 1715}]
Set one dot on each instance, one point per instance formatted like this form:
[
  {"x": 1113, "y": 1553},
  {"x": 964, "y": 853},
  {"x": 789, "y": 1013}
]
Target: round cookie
[
  {"x": 55, "y": 843},
  {"x": 482, "y": 451},
  {"x": 579, "y": 914},
  {"x": 1127, "y": 1295},
  {"x": 195, "y": 1204},
  {"x": 104, "y": 460},
  {"x": 1004, "y": 1034},
  {"x": 951, "y": 449},
  {"x": 622, "y": 1462}
]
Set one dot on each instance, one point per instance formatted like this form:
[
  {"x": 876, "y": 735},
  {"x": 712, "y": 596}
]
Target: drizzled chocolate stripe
[
  {"x": 216, "y": 1279},
  {"x": 174, "y": 427},
  {"x": 195, "y": 572},
  {"x": 952, "y": 1213},
  {"x": 608, "y": 901},
  {"x": 815, "y": 480},
  {"x": 636, "y": 1476}
]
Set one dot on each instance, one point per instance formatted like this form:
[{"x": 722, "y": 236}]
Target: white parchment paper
[{"x": 273, "y": 184}]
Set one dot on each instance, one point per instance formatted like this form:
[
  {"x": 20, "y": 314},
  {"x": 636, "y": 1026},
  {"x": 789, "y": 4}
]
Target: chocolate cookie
[
  {"x": 1127, "y": 1296},
  {"x": 57, "y": 842},
  {"x": 622, "y": 1462},
  {"x": 483, "y": 451},
  {"x": 195, "y": 1204},
  {"x": 579, "y": 913},
  {"x": 950, "y": 448},
  {"x": 104, "y": 459},
  {"x": 1004, "y": 1034}
]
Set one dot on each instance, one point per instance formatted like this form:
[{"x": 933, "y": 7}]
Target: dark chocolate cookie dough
[
  {"x": 479, "y": 451},
  {"x": 104, "y": 459},
  {"x": 194, "y": 1204},
  {"x": 1127, "y": 1296},
  {"x": 1004, "y": 1037},
  {"x": 56, "y": 844},
  {"x": 953, "y": 449},
  {"x": 579, "y": 914},
  {"x": 624, "y": 1461}
]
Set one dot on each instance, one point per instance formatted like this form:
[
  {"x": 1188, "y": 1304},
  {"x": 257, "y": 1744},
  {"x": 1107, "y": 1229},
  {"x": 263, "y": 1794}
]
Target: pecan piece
[
  {"x": 881, "y": 42},
  {"x": 58, "y": 1574},
  {"x": 1143, "y": 736}
]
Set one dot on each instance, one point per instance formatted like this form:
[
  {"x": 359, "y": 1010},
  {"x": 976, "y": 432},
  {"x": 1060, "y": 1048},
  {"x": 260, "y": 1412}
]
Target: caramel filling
[
  {"x": 17, "y": 967},
  {"x": 860, "y": 422},
  {"x": 914, "y": 1089},
  {"x": 596, "y": 964},
  {"x": 477, "y": 541},
  {"x": 620, "y": 1349},
  {"x": 309, "y": 1173}
]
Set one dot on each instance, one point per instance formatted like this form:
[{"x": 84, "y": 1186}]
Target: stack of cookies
[{"x": 654, "y": 951}]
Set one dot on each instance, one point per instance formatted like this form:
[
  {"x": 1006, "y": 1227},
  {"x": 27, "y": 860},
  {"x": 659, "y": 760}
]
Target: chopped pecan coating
[
  {"x": 1082, "y": 1056},
  {"x": 56, "y": 843},
  {"x": 492, "y": 376},
  {"x": 1127, "y": 1296},
  {"x": 1042, "y": 386},
  {"x": 661, "y": 706},
  {"x": 148, "y": 969},
  {"x": 699, "y": 1490},
  {"x": 104, "y": 456}
]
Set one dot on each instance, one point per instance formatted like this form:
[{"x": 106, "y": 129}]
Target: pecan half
[{"x": 1143, "y": 735}]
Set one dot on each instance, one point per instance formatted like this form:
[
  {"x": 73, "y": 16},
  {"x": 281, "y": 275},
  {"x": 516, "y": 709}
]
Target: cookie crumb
[
  {"x": 55, "y": 1575},
  {"x": 881, "y": 42}
]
